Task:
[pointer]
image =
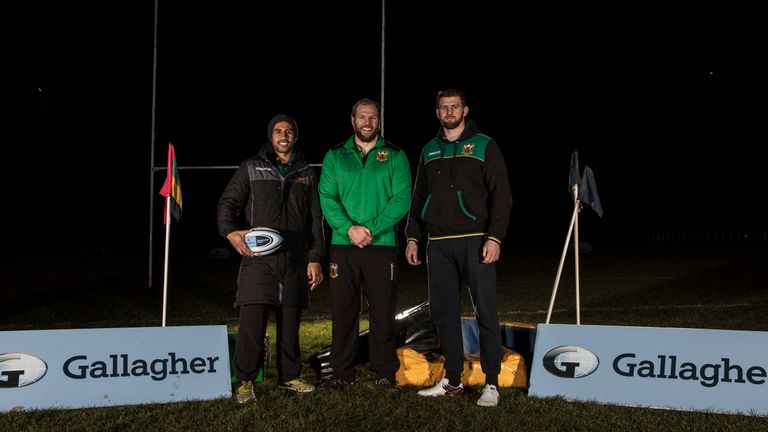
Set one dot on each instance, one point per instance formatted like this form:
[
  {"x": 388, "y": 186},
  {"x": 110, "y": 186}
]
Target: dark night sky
[{"x": 665, "y": 101}]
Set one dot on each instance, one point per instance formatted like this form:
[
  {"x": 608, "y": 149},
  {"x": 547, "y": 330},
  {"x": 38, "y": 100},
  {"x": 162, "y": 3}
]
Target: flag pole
[
  {"x": 172, "y": 192},
  {"x": 576, "y": 209},
  {"x": 167, "y": 242},
  {"x": 573, "y": 223}
]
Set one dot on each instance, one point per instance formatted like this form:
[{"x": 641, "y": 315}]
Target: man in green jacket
[
  {"x": 461, "y": 203},
  {"x": 365, "y": 189}
]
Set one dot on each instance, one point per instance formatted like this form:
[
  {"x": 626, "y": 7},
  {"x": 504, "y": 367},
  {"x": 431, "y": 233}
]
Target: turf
[{"x": 723, "y": 288}]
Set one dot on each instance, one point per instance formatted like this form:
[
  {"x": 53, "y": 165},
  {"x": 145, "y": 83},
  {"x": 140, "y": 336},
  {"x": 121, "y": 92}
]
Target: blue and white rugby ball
[{"x": 263, "y": 241}]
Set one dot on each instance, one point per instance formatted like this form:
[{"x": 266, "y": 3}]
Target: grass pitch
[{"x": 723, "y": 288}]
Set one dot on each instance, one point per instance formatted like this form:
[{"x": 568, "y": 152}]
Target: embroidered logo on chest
[
  {"x": 382, "y": 155},
  {"x": 467, "y": 149}
]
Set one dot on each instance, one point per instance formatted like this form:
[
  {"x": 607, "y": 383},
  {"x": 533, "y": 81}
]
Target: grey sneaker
[
  {"x": 298, "y": 385},
  {"x": 489, "y": 397},
  {"x": 244, "y": 393},
  {"x": 442, "y": 388}
]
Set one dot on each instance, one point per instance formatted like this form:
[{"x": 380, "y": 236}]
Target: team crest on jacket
[
  {"x": 382, "y": 155},
  {"x": 467, "y": 149},
  {"x": 334, "y": 270}
]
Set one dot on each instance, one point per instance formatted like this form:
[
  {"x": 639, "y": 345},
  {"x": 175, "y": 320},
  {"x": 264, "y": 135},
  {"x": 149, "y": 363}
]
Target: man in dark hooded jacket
[
  {"x": 276, "y": 189},
  {"x": 461, "y": 204}
]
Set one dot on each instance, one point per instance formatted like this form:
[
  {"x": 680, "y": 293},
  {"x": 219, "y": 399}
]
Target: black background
[{"x": 666, "y": 101}]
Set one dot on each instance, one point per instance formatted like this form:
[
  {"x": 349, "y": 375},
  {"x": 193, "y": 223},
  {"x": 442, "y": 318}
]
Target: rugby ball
[{"x": 263, "y": 241}]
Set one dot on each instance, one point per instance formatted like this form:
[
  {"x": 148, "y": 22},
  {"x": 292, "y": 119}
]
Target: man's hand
[
  {"x": 360, "y": 236},
  {"x": 314, "y": 274},
  {"x": 491, "y": 252},
  {"x": 412, "y": 253},
  {"x": 237, "y": 240}
]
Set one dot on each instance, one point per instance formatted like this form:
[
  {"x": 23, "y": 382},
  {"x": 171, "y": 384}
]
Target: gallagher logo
[
  {"x": 19, "y": 370},
  {"x": 570, "y": 362}
]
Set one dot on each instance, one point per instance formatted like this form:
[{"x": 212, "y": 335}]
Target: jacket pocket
[{"x": 464, "y": 209}]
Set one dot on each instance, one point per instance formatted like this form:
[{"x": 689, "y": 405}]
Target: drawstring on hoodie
[
  {"x": 442, "y": 155},
  {"x": 440, "y": 161},
  {"x": 453, "y": 162},
  {"x": 445, "y": 142}
]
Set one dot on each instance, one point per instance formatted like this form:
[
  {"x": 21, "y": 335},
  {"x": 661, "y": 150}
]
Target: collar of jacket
[
  {"x": 470, "y": 130},
  {"x": 350, "y": 143}
]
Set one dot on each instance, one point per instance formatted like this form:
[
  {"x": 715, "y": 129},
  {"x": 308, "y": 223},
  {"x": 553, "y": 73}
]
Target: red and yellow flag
[{"x": 172, "y": 186}]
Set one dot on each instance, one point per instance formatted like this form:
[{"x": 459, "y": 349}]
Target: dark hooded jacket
[
  {"x": 258, "y": 196},
  {"x": 461, "y": 189}
]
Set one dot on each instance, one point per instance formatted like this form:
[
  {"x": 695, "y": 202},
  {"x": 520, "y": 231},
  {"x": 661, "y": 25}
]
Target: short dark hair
[
  {"x": 365, "y": 101},
  {"x": 451, "y": 92}
]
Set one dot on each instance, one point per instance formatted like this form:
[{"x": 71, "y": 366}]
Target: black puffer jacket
[{"x": 257, "y": 195}]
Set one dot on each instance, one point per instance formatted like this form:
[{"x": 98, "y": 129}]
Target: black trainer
[
  {"x": 333, "y": 384},
  {"x": 387, "y": 384}
]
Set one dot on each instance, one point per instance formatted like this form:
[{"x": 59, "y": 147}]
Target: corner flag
[
  {"x": 172, "y": 186},
  {"x": 586, "y": 182}
]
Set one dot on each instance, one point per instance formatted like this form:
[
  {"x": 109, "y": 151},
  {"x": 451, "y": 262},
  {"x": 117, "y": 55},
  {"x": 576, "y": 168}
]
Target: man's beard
[
  {"x": 366, "y": 139},
  {"x": 453, "y": 124}
]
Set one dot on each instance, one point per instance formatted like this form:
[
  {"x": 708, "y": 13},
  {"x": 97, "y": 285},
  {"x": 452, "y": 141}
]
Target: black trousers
[
  {"x": 249, "y": 349},
  {"x": 450, "y": 262},
  {"x": 352, "y": 268}
]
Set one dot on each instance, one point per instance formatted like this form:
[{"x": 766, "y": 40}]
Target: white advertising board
[
  {"x": 676, "y": 368},
  {"x": 115, "y": 366}
]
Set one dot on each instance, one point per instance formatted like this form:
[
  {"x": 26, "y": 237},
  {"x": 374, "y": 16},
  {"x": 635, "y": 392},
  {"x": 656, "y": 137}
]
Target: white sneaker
[
  {"x": 442, "y": 388},
  {"x": 490, "y": 396}
]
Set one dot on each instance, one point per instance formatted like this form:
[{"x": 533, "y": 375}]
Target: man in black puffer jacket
[{"x": 276, "y": 189}]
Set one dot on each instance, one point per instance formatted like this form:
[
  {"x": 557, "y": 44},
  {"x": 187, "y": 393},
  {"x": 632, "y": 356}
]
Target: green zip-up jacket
[{"x": 373, "y": 191}]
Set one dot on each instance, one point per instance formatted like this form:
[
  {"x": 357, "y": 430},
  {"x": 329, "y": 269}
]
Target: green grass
[{"x": 723, "y": 289}]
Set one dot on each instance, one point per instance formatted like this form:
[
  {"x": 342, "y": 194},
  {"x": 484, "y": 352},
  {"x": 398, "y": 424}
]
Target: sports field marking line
[
  {"x": 512, "y": 281},
  {"x": 690, "y": 306},
  {"x": 621, "y": 278},
  {"x": 598, "y": 309}
]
